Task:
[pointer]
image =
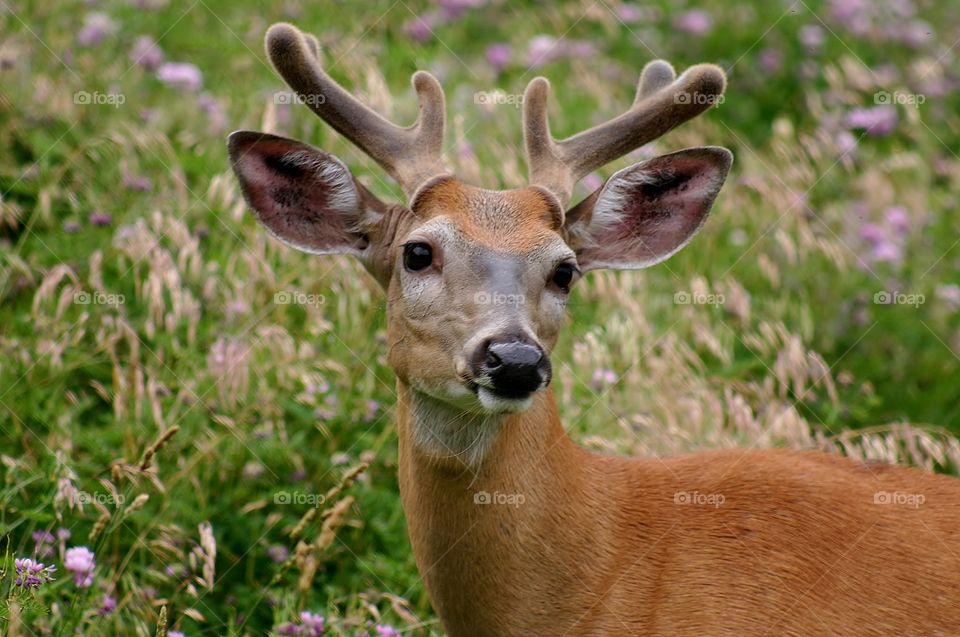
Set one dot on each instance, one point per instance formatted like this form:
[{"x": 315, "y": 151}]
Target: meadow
[{"x": 196, "y": 428}]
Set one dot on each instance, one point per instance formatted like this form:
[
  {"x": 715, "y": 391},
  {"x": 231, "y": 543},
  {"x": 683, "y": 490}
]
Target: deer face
[
  {"x": 478, "y": 280},
  {"x": 477, "y": 295}
]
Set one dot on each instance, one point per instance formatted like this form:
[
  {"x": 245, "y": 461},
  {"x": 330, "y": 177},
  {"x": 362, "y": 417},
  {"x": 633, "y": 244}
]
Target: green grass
[{"x": 199, "y": 342}]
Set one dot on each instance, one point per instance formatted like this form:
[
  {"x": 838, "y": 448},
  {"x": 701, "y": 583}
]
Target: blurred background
[{"x": 209, "y": 413}]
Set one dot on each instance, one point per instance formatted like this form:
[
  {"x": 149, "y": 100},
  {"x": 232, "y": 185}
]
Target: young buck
[{"x": 517, "y": 530}]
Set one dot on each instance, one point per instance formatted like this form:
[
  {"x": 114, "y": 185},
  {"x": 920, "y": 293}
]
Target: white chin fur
[{"x": 495, "y": 404}]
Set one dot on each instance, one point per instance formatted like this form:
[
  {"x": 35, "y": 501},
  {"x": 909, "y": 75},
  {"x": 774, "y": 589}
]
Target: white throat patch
[{"x": 446, "y": 432}]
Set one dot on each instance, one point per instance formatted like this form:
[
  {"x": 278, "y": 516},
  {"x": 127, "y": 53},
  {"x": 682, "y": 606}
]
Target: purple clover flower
[
  {"x": 100, "y": 219},
  {"x": 80, "y": 561},
  {"x": 44, "y": 544},
  {"x": 237, "y": 307},
  {"x": 31, "y": 574},
  {"x": 604, "y": 378},
  {"x": 812, "y": 36},
  {"x": 949, "y": 294},
  {"x": 877, "y": 121},
  {"x": 888, "y": 252},
  {"x": 695, "y": 21},
  {"x": 278, "y": 553},
  {"x": 180, "y": 75},
  {"x": 146, "y": 53},
  {"x": 541, "y": 50},
  {"x": 420, "y": 28},
  {"x": 498, "y": 56},
  {"x": 373, "y": 408},
  {"x": 308, "y": 625},
  {"x": 453, "y": 9},
  {"x": 629, "y": 13},
  {"x": 213, "y": 109},
  {"x": 312, "y": 623},
  {"x": 174, "y": 570},
  {"x": 853, "y": 14},
  {"x": 771, "y": 60},
  {"x": 846, "y": 142},
  {"x": 544, "y": 49},
  {"x": 872, "y": 232},
  {"x": 914, "y": 34},
  {"x": 886, "y": 241},
  {"x": 898, "y": 219},
  {"x": 139, "y": 184},
  {"x": 108, "y": 604},
  {"x": 96, "y": 27}
]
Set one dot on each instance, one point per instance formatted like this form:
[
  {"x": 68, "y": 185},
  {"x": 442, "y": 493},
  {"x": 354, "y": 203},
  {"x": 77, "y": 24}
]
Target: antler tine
[
  {"x": 410, "y": 155},
  {"x": 662, "y": 102},
  {"x": 655, "y": 76}
]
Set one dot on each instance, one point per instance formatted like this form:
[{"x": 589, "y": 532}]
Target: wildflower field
[{"x": 196, "y": 432}]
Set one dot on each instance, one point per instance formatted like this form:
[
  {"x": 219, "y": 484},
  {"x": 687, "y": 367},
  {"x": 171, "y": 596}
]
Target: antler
[
  {"x": 410, "y": 155},
  {"x": 662, "y": 102}
]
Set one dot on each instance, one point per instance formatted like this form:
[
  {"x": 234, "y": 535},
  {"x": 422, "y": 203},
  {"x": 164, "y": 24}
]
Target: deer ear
[
  {"x": 305, "y": 197},
  {"x": 647, "y": 212}
]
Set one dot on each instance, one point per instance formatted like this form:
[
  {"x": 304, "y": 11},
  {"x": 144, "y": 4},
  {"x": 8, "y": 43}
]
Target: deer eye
[
  {"x": 563, "y": 276},
  {"x": 417, "y": 256}
]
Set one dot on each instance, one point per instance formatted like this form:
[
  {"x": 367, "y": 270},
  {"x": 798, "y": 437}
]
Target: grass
[{"x": 163, "y": 326}]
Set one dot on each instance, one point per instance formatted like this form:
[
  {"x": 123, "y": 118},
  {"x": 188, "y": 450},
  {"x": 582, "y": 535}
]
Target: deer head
[{"x": 477, "y": 280}]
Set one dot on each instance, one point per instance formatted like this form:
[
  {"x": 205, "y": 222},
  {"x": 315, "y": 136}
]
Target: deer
[{"x": 515, "y": 528}]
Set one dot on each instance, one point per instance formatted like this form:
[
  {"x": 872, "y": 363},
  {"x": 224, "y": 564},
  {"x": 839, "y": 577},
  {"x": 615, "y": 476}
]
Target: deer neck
[{"x": 504, "y": 519}]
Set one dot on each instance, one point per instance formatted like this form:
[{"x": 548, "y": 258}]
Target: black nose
[{"x": 516, "y": 368}]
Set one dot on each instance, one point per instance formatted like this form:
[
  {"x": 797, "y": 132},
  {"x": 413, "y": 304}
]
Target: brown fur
[
  {"x": 599, "y": 546},
  {"x": 511, "y": 220}
]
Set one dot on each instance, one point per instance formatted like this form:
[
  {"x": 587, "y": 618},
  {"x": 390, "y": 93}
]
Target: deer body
[
  {"x": 516, "y": 530},
  {"x": 600, "y": 546}
]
